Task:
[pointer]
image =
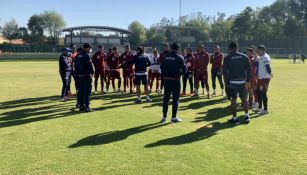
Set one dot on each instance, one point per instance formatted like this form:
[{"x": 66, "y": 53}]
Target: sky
[{"x": 119, "y": 13}]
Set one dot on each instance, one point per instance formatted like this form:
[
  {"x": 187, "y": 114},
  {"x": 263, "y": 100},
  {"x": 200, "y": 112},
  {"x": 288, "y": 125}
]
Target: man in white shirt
[
  {"x": 155, "y": 71},
  {"x": 264, "y": 74}
]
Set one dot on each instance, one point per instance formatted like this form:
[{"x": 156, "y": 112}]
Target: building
[{"x": 97, "y": 35}]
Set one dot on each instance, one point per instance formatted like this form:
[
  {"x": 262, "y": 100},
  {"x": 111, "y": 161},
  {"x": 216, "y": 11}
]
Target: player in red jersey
[
  {"x": 114, "y": 60},
  {"x": 127, "y": 69},
  {"x": 189, "y": 74},
  {"x": 98, "y": 61},
  {"x": 216, "y": 70},
  {"x": 201, "y": 69}
]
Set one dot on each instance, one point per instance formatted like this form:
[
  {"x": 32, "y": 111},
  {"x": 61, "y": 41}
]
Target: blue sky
[{"x": 119, "y": 13}]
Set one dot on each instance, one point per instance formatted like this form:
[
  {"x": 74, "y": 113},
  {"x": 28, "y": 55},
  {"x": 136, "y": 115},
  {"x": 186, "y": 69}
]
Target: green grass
[{"x": 39, "y": 135}]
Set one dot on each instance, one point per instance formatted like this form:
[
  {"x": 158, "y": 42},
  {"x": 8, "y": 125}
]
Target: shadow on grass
[
  {"x": 114, "y": 136},
  {"x": 213, "y": 114},
  {"x": 202, "y": 133}
]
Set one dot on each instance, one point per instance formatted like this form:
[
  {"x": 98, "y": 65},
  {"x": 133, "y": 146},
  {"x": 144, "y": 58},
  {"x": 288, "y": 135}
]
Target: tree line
[
  {"x": 48, "y": 22},
  {"x": 280, "y": 20}
]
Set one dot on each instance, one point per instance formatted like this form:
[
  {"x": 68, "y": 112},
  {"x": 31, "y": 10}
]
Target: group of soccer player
[{"x": 247, "y": 75}]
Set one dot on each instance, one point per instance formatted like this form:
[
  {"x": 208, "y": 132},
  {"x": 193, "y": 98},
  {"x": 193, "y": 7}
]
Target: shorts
[
  {"x": 233, "y": 90},
  {"x": 99, "y": 73},
  {"x": 156, "y": 75},
  {"x": 115, "y": 74},
  {"x": 128, "y": 72},
  {"x": 140, "y": 79},
  {"x": 201, "y": 75},
  {"x": 263, "y": 84}
]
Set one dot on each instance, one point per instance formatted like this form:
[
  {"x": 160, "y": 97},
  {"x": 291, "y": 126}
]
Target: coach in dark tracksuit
[
  {"x": 172, "y": 67},
  {"x": 65, "y": 72},
  {"x": 237, "y": 74},
  {"x": 84, "y": 70}
]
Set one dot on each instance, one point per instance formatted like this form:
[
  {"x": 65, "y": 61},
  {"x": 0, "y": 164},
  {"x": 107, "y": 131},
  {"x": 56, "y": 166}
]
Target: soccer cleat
[
  {"x": 96, "y": 92},
  {"x": 247, "y": 119},
  {"x": 88, "y": 110},
  {"x": 257, "y": 110},
  {"x": 234, "y": 121},
  {"x": 163, "y": 120},
  {"x": 263, "y": 112},
  {"x": 148, "y": 99},
  {"x": 138, "y": 101},
  {"x": 176, "y": 120}
]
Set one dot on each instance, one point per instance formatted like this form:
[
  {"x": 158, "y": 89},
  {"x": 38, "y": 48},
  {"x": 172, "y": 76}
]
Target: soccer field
[{"x": 40, "y": 135}]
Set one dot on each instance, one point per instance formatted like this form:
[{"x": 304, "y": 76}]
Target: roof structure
[{"x": 97, "y": 29}]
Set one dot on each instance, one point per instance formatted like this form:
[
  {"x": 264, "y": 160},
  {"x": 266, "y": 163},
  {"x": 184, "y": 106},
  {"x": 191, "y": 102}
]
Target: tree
[
  {"x": 221, "y": 28},
  {"x": 155, "y": 36},
  {"x": 137, "y": 36},
  {"x": 53, "y": 25},
  {"x": 22, "y": 33},
  {"x": 242, "y": 25},
  {"x": 293, "y": 28},
  {"x": 36, "y": 28},
  {"x": 299, "y": 8},
  {"x": 10, "y": 29}
]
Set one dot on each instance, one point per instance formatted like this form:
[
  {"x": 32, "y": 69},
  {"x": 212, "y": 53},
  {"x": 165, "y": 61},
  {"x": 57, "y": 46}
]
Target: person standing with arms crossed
[{"x": 172, "y": 68}]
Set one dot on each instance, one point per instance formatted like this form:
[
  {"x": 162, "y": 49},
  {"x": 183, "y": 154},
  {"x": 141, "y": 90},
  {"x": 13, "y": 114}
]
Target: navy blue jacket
[
  {"x": 172, "y": 65},
  {"x": 237, "y": 67},
  {"x": 141, "y": 62},
  {"x": 83, "y": 64},
  {"x": 64, "y": 63}
]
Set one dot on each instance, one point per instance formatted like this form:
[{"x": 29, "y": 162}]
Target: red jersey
[
  {"x": 98, "y": 59},
  {"x": 253, "y": 64},
  {"x": 201, "y": 61},
  {"x": 114, "y": 60},
  {"x": 189, "y": 62},
  {"x": 162, "y": 56},
  {"x": 216, "y": 60},
  {"x": 125, "y": 57}
]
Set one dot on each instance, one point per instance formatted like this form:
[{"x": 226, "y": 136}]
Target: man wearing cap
[
  {"x": 141, "y": 62},
  {"x": 201, "y": 69},
  {"x": 98, "y": 61},
  {"x": 172, "y": 68},
  {"x": 127, "y": 69},
  {"x": 85, "y": 70},
  {"x": 237, "y": 75},
  {"x": 114, "y": 60},
  {"x": 216, "y": 70},
  {"x": 65, "y": 63},
  {"x": 161, "y": 58}
]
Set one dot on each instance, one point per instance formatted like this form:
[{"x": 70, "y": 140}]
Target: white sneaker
[
  {"x": 95, "y": 92},
  {"x": 176, "y": 120},
  {"x": 257, "y": 110},
  {"x": 263, "y": 112}
]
